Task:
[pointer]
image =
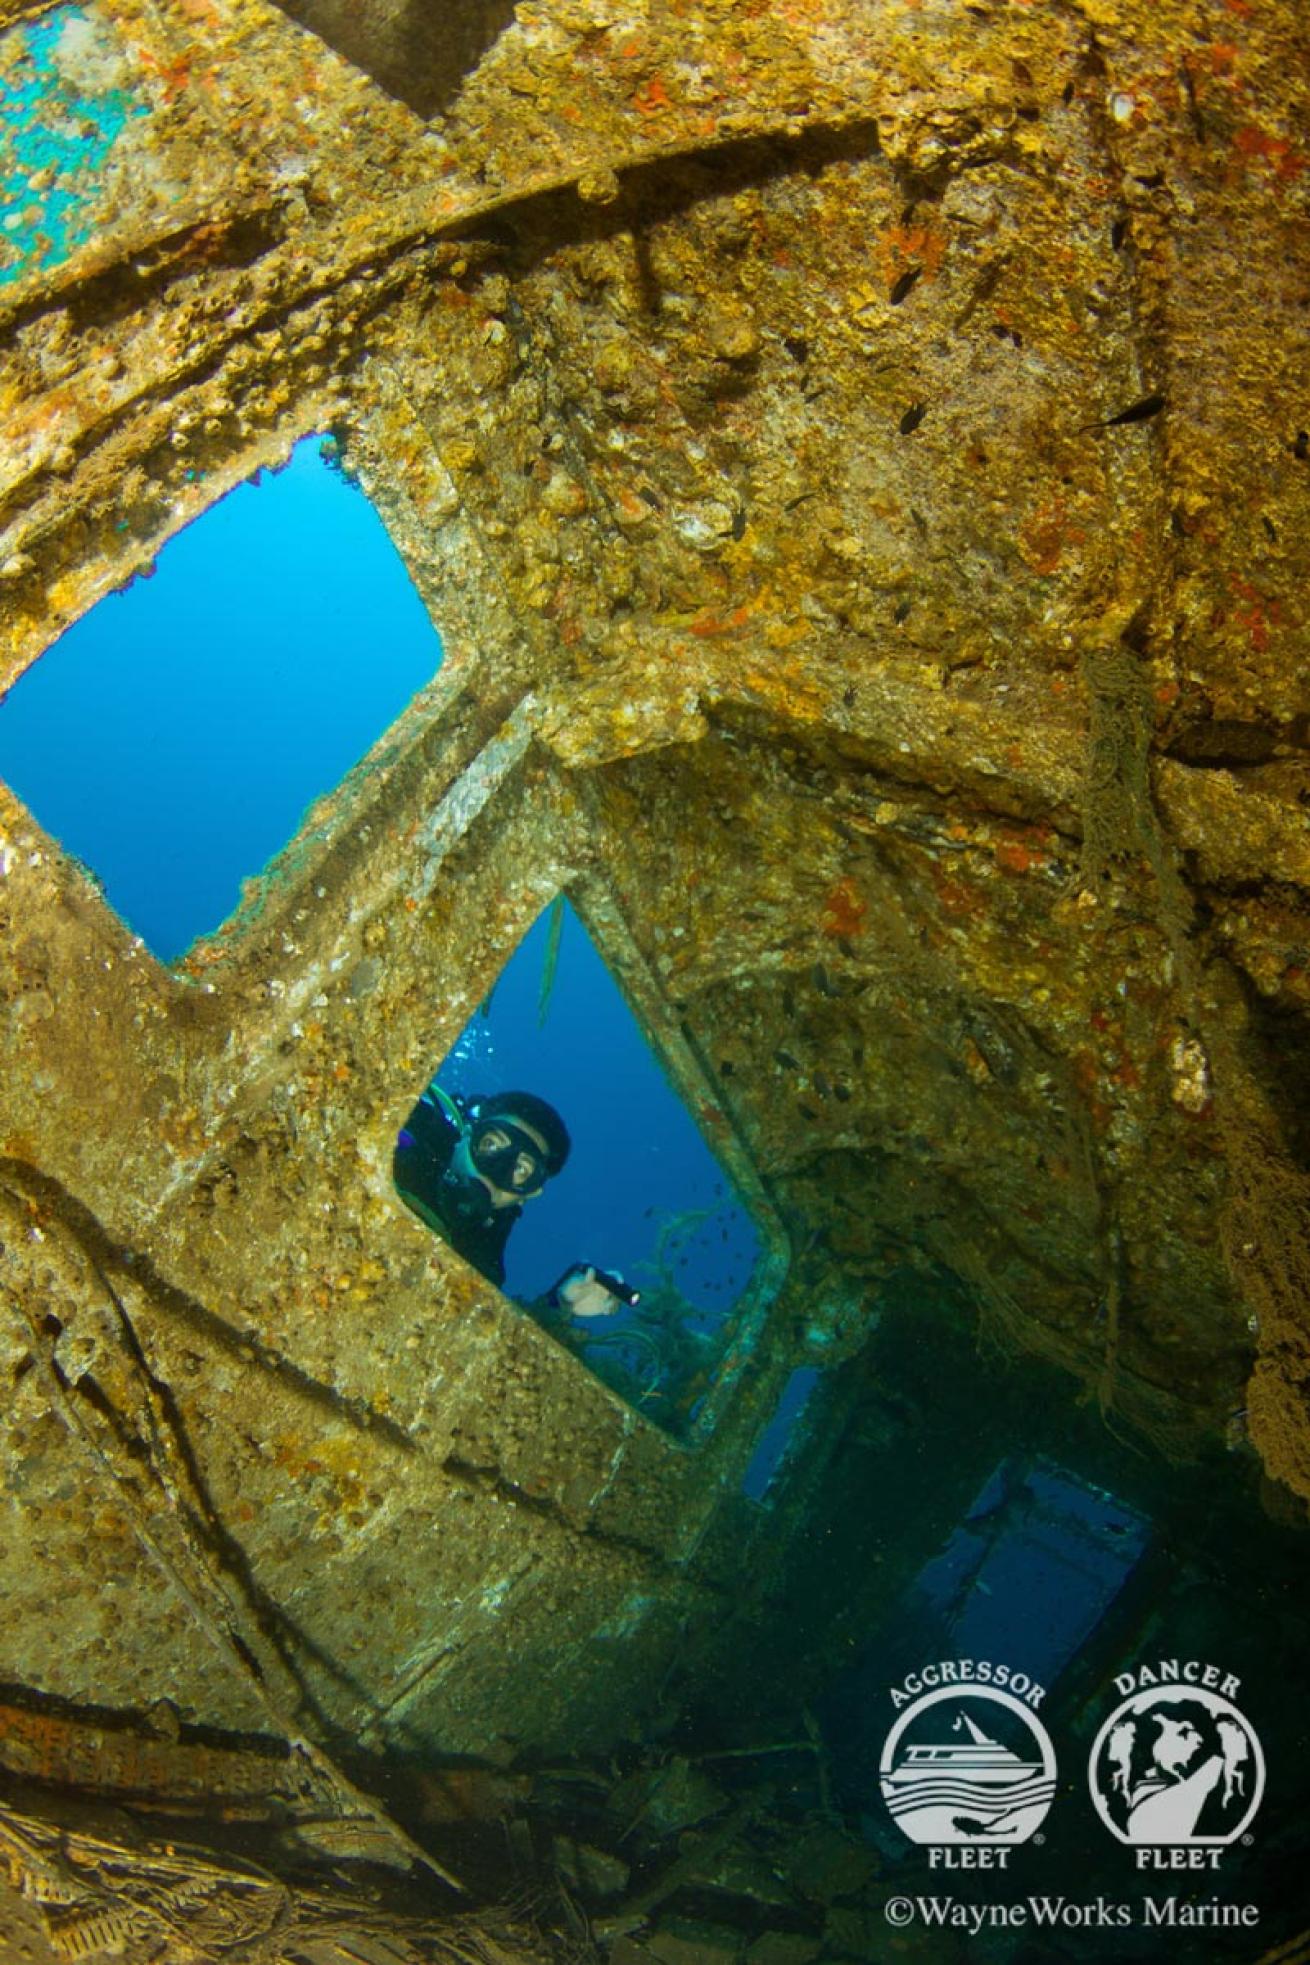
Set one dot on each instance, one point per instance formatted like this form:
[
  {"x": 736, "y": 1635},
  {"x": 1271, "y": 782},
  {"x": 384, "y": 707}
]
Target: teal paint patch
[{"x": 66, "y": 96}]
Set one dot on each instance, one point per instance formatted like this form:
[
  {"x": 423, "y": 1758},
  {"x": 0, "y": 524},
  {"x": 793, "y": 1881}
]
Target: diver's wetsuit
[{"x": 460, "y": 1210}]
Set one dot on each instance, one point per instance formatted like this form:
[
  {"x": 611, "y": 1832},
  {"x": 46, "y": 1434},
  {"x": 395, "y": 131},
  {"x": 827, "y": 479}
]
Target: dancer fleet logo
[
  {"x": 1177, "y": 1771},
  {"x": 967, "y": 1770}
]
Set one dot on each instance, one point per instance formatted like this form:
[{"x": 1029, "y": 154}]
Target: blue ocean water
[
  {"x": 642, "y": 1190},
  {"x": 172, "y": 738}
]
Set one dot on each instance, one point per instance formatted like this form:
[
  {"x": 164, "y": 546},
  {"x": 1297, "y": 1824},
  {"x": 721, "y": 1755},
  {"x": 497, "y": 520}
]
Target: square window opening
[{"x": 173, "y": 737}]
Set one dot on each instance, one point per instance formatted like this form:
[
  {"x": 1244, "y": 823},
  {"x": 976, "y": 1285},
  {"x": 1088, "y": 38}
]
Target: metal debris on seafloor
[
  {"x": 68, "y": 1892},
  {"x": 659, "y": 1801},
  {"x": 168, "y": 1769}
]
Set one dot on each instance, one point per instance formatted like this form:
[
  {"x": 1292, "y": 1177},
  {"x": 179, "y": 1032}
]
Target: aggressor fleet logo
[
  {"x": 967, "y": 1770},
  {"x": 1176, "y": 1771}
]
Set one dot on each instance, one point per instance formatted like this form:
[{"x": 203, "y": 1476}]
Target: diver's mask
[{"x": 509, "y": 1157}]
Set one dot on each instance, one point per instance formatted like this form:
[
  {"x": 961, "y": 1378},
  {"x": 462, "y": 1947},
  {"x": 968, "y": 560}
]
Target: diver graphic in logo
[
  {"x": 968, "y": 1766},
  {"x": 1176, "y": 1764}
]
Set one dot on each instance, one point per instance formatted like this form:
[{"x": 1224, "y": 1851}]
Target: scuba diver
[{"x": 467, "y": 1167}]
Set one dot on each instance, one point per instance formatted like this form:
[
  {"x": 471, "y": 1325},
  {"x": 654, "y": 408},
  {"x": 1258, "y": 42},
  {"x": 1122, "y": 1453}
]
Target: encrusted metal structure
[{"x": 853, "y": 453}]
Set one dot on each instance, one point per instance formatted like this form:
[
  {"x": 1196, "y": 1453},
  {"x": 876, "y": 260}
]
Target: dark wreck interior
[{"x": 853, "y": 454}]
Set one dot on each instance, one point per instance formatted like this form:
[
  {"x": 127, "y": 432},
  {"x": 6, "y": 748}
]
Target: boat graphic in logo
[
  {"x": 1177, "y": 1764},
  {"x": 968, "y": 1767}
]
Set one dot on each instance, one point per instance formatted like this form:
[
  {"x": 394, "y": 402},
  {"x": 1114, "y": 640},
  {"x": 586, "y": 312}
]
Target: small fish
[
  {"x": 726, "y": 1067},
  {"x": 983, "y": 289},
  {"x": 807, "y": 1110},
  {"x": 789, "y": 1000},
  {"x": 848, "y": 697},
  {"x": 1193, "y": 106},
  {"x": 843, "y": 1092},
  {"x": 353, "y": 1840},
  {"x": 787, "y": 1061},
  {"x": 1118, "y": 233},
  {"x": 821, "y": 1085},
  {"x": 822, "y": 981},
  {"x": 912, "y": 418},
  {"x": 902, "y": 613},
  {"x": 738, "y": 524},
  {"x": 904, "y": 285},
  {"x": 1139, "y": 412}
]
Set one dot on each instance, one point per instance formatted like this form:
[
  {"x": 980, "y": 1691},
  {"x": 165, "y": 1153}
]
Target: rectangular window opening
[{"x": 551, "y": 1143}]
